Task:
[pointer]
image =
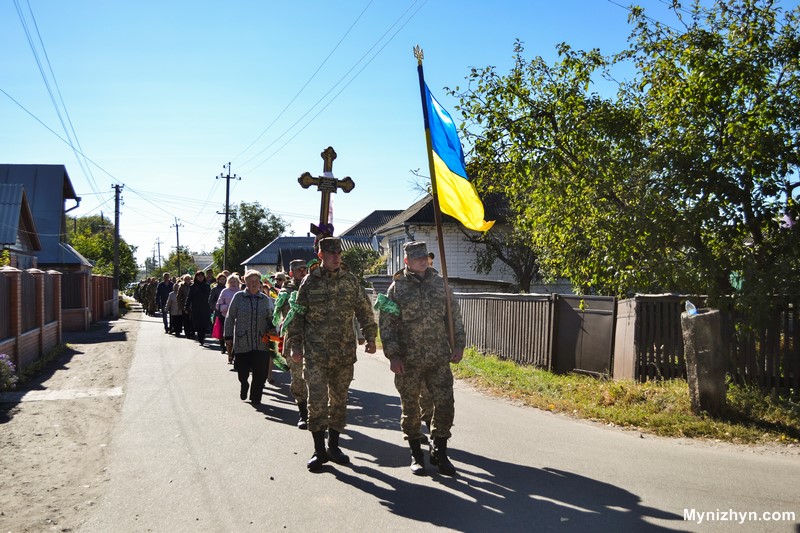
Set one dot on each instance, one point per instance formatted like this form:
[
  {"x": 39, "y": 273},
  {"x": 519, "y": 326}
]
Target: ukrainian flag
[{"x": 457, "y": 195}]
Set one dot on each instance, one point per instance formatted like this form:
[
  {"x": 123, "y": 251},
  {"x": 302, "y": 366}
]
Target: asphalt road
[{"x": 188, "y": 455}]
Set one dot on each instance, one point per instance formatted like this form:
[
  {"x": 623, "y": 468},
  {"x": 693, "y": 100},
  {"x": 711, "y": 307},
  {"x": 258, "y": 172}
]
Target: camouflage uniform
[
  {"x": 414, "y": 333},
  {"x": 298, "y": 386},
  {"x": 151, "y": 297},
  {"x": 325, "y": 331}
]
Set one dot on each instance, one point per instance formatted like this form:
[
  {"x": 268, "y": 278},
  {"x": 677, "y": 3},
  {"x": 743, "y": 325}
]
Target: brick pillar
[
  {"x": 57, "y": 301},
  {"x": 38, "y": 276},
  {"x": 15, "y": 285}
]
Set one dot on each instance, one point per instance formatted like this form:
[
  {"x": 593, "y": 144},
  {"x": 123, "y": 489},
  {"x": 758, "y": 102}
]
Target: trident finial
[{"x": 418, "y": 54}]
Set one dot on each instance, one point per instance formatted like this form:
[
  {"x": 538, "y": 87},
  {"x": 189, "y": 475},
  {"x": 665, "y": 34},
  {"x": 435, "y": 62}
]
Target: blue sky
[{"x": 161, "y": 95}]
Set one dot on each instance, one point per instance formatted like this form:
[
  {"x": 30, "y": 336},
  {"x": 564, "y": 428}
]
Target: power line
[
  {"x": 346, "y": 74},
  {"x": 345, "y": 85},
  {"x": 79, "y": 149},
  {"x": 304, "y": 85}
]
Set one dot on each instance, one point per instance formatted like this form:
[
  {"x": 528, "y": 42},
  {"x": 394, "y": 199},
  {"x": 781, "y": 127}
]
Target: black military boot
[
  {"x": 320, "y": 456},
  {"x": 439, "y": 457},
  {"x": 334, "y": 453},
  {"x": 417, "y": 457},
  {"x": 302, "y": 406}
]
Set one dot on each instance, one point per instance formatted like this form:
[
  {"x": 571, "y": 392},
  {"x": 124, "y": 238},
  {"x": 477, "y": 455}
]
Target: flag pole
[{"x": 437, "y": 214}]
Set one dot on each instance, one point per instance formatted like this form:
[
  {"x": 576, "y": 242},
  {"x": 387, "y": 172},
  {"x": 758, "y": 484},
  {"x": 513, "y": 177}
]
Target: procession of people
[{"x": 310, "y": 323}]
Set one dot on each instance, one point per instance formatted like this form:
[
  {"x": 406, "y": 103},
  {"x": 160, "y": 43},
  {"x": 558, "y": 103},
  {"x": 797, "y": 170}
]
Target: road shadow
[
  {"x": 488, "y": 493},
  {"x": 373, "y": 409},
  {"x": 97, "y": 333}
]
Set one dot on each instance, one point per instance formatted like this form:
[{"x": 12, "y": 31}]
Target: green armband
[
  {"x": 276, "y": 317},
  {"x": 386, "y": 305},
  {"x": 294, "y": 309}
]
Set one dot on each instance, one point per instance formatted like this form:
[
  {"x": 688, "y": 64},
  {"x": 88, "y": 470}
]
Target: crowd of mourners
[
  {"x": 310, "y": 323},
  {"x": 196, "y": 306}
]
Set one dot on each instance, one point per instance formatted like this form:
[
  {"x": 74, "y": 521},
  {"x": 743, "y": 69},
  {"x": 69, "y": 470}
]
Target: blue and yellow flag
[{"x": 456, "y": 193}]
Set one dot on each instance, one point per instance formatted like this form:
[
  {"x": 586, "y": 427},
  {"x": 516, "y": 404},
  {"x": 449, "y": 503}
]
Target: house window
[{"x": 396, "y": 259}]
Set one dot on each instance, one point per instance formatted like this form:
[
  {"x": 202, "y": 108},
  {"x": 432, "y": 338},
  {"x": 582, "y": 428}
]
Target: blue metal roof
[
  {"x": 15, "y": 210},
  {"x": 47, "y": 188},
  {"x": 268, "y": 255}
]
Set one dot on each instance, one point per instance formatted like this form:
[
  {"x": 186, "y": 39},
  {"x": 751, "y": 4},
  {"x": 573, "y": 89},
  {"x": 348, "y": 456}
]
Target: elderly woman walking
[{"x": 248, "y": 322}]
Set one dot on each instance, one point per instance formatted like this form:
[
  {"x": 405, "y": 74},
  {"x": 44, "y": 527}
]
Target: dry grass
[{"x": 662, "y": 408}]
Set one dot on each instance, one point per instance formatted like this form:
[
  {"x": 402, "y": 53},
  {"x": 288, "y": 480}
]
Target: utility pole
[
  {"x": 117, "y": 189},
  {"x": 158, "y": 243},
  {"x": 177, "y": 244},
  {"x": 228, "y": 179}
]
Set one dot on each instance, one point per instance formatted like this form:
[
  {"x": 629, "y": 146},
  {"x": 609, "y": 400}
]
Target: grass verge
[{"x": 662, "y": 408}]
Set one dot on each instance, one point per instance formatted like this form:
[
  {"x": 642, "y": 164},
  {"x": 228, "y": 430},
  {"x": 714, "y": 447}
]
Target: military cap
[
  {"x": 331, "y": 245},
  {"x": 415, "y": 249},
  {"x": 296, "y": 264}
]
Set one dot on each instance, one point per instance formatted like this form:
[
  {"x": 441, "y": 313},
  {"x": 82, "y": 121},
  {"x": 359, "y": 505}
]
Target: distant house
[
  {"x": 276, "y": 256},
  {"x": 48, "y": 189},
  {"x": 17, "y": 228},
  {"x": 203, "y": 261},
  {"x": 363, "y": 233},
  {"x": 417, "y": 224}
]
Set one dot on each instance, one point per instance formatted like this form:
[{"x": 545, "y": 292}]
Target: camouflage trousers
[
  {"x": 425, "y": 405},
  {"x": 327, "y": 394},
  {"x": 439, "y": 383},
  {"x": 298, "y": 385}
]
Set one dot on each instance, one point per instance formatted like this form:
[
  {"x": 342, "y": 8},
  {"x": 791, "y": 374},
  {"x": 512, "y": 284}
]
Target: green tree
[
  {"x": 720, "y": 97},
  {"x": 170, "y": 264},
  {"x": 360, "y": 261},
  {"x": 678, "y": 182},
  {"x": 250, "y": 228},
  {"x": 93, "y": 238},
  {"x": 570, "y": 164}
]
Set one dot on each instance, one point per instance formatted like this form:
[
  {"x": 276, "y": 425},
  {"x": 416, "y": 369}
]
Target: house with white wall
[{"x": 417, "y": 224}]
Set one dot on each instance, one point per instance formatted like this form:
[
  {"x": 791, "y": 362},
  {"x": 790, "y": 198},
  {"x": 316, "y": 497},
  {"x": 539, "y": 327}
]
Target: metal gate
[{"x": 584, "y": 334}]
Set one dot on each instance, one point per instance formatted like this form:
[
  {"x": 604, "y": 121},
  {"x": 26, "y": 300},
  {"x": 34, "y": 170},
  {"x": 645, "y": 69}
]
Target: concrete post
[{"x": 705, "y": 360}]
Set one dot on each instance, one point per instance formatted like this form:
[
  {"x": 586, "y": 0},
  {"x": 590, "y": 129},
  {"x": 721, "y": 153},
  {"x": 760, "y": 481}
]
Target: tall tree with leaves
[
  {"x": 572, "y": 166},
  {"x": 250, "y": 228},
  {"x": 93, "y": 238},
  {"x": 678, "y": 182},
  {"x": 720, "y": 96}
]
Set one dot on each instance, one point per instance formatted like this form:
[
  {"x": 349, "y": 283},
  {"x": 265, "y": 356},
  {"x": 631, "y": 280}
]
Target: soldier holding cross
[{"x": 321, "y": 336}]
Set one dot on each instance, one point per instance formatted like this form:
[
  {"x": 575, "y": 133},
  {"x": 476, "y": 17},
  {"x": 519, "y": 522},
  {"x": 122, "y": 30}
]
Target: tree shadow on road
[{"x": 488, "y": 493}]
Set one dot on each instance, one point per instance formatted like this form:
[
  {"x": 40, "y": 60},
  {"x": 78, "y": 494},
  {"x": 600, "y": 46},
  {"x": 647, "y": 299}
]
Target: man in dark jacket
[
  {"x": 162, "y": 293},
  {"x": 197, "y": 306}
]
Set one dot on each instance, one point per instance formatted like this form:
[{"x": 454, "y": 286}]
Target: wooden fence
[
  {"x": 768, "y": 357},
  {"x": 518, "y": 327},
  {"x": 639, "y": 338}
]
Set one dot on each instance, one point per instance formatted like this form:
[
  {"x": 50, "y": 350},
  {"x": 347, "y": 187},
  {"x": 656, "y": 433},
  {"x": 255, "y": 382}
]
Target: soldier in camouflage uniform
[
  {"x": 415, "y": 340},
  {"x": 297, "y": 271},
  {"x": 321, "y": 336},
  {"x": 152, "y": 289}
]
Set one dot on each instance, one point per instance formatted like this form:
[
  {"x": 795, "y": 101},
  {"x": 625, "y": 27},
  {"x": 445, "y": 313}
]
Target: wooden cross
[{"x": 326, "y": 184}]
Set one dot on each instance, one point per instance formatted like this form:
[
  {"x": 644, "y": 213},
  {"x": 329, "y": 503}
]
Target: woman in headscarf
[
  {"x": 197, "y": 306},
  {"x": 249, "y": 321}
]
